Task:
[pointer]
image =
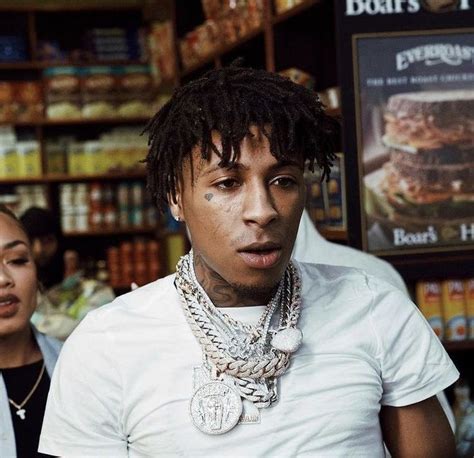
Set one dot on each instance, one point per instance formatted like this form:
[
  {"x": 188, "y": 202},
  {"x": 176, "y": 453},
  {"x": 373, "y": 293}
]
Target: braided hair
[{"x": 230, "y": 100}]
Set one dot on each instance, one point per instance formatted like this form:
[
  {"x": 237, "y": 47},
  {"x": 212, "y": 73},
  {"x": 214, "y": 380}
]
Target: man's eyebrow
[
  {"x": 13, "y": 244},
  {"x": 239, "y": 166},
  {"x": 232, "y": 166}
]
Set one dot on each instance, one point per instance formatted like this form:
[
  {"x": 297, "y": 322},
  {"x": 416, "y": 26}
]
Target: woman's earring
[{"x": 177, "y": 218}]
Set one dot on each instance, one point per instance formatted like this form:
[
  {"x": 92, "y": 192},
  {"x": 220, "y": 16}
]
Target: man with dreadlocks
[{"x": 244, "y": 352}]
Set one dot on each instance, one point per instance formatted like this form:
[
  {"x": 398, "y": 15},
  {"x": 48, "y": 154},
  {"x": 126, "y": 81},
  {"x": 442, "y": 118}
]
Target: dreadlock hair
[{"x": 230, "y": 100}]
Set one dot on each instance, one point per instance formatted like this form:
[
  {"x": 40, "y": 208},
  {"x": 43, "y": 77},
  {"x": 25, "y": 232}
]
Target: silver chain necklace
[{"x": 242, "y": 360}]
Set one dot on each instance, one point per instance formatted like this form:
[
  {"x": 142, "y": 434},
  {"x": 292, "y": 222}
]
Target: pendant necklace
[
  {"x": 20, "y": 411},
  {"x": 242, "y": 362}
]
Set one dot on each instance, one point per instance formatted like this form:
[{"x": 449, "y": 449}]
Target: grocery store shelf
[
  {"x": 51, "y": 7},
  {"x": 221, "y": 51},
  {"x": 24, "y": 65},
  {"x": 122, "y": 175},
  {"x": 78, "y": 121},
  {"x": 111, "y": 231},
  {"x": 64, "y": 177},
  {"x": 459, "y": 346},
  {"x": 39, "y": 65},
  {"x": 298, "y": 9},
  {"x": 22, "y": 180}
]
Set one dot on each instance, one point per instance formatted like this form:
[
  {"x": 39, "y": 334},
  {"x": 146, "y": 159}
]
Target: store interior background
[{"x": 78, "y": 82}]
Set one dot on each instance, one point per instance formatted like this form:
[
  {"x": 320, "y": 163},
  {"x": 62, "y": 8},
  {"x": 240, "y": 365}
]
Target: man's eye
[
  {"x": 284, "y": 182},
  {"x": 227, "y": 184}
]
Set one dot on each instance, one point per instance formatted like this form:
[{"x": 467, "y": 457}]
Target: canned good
[{"x": 453, "y": 309}]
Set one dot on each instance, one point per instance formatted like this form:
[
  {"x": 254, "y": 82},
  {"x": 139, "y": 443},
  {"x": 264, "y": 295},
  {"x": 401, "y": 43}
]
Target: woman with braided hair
[{"x": 244, "y": 352}]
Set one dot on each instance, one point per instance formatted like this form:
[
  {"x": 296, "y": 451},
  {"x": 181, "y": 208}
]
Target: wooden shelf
[
  {"x": 88, "y": 121},
  {"x": 112, "y": 231},
  {"x": 68, "y": 5},
  {"x": 64, "y": 177},
  {"x": 123, "y": 175},
  {"x": 39, "y": 65},
  {"x": 298, "y": 9},
  {"x": 459, "y": 346},
  {"x": 221, "y": 51},
  {"x": 22, "y": 180},
  {"x": 78, "y": 121},
  {"x": 24, "y": 65},
  {"x": 333, "y": 234}
]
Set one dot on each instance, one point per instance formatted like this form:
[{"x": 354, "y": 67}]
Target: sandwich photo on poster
[{"x": 415, "y": 131}]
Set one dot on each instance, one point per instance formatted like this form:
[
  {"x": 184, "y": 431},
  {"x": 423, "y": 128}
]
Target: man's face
[{"x": 242, "y": 220}]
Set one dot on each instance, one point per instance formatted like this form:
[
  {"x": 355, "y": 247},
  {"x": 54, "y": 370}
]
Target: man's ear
[{"x": 175, "y": 203}]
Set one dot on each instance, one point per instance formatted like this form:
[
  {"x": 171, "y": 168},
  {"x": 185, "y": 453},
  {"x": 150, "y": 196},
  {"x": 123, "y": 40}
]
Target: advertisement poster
[{"x": 414, "y": 95}]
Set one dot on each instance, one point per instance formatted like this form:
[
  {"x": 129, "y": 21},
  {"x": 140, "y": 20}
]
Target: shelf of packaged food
[
  {"x": 22, "y": 180},
  {"x": 333, "y": 234},
  {"x": 112, "y": 231},
  {"x": 39, "y": 65},
  {"x": 298, "y": 9},
  {"x": 65, "y": 6},
  {"x": 459, "y": 346},
  {"x": 85, "y": 121},
  {"x": 64, "y": 177},
  {"x": 78, "y": 121},
  {"x": 122, "y": 175},
  {"x": 24, "y": 65},
  {"x": 221, "y": 51}
]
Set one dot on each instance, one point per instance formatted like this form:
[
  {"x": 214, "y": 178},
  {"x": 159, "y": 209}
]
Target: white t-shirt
[
  {"x": 311, "y": 247},
  {"x": 123, "y": 382}
]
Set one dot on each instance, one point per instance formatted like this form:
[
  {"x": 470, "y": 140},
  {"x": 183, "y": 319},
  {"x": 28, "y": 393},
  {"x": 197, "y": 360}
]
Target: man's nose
[{"x": 259, "y": 205}]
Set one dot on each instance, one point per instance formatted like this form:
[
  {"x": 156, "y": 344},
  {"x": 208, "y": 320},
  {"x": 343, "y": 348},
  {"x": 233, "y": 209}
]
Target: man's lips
[
  {"x": 261, "y": 255},
  {"x": 9, "y": 305}
]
